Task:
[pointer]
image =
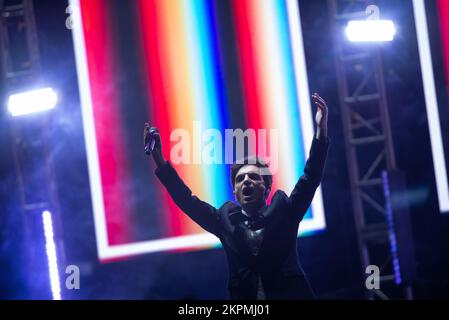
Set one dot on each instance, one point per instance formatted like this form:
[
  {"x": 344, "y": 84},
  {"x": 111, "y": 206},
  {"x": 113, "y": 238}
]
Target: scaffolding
[
  {"x": 368, "y": 143},
  {"x": 30, "y": 136}
]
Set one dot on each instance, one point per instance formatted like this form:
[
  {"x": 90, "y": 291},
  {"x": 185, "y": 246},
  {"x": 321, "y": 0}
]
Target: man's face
[{"x": 249, "y": 188}]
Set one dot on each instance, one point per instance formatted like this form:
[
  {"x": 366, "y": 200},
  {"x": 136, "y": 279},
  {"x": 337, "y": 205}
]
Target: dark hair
[{"x": 255, "y": 161}]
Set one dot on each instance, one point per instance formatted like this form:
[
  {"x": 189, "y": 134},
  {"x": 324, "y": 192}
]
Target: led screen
[{"x": 195, "y": 69}]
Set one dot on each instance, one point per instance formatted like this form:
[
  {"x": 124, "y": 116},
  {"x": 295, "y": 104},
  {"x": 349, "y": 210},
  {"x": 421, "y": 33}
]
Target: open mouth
[{"x": 248, "y": 191}]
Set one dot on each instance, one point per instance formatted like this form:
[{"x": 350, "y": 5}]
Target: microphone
[{"x": 150, "y": 142}]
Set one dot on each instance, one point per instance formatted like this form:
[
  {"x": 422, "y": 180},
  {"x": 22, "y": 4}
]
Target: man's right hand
[{"x": 157, "y": 151}]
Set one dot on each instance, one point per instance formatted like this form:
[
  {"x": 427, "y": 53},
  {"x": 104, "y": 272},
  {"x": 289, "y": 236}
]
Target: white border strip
[
  {"x": 89, "y": 129},
  {"x": 433, "y": 117},
  {"x": 294, "y": 17},
  {"x": 105, "y": 251}
]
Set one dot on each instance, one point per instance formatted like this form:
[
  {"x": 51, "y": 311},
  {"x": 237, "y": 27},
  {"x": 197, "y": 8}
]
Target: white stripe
[
  {"x": 52, "y": 258},
  {"x": 433, "y": 117},
  {"x": 318, "y": 221},
  {"x": 89, "y": 129}
]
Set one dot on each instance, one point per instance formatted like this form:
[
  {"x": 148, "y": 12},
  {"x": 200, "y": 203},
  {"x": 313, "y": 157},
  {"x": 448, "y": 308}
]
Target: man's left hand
[{"x": 321, "y": 116}]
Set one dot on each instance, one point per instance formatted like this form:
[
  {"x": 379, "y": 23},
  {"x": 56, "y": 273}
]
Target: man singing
[{"x": 260, "y": 240}]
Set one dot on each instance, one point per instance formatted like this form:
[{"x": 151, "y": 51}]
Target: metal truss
[
  {"x": 368, "y": 143},
  {"x": 21, "y": 71}
]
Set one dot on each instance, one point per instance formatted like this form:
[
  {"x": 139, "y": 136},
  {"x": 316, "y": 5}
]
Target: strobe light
[
  {"x": 32, "y": 101},
  {"x": 370, "y": 30}
]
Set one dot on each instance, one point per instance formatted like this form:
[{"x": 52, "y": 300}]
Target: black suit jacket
[{"x": 277, "y": 262}]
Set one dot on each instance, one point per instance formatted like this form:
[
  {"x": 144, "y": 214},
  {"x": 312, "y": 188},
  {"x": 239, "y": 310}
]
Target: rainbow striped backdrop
[{"x": 229, "y": 64}]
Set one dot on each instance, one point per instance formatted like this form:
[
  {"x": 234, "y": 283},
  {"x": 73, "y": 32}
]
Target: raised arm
[
  {"x": 199, "y": 211},
  {"x": 304, "y": 190}
]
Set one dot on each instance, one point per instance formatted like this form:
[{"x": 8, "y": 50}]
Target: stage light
[
  {"x": 32, "y": 101},
  {"x": 370, "y": 30},
  {"x": 51, "y": 255}
]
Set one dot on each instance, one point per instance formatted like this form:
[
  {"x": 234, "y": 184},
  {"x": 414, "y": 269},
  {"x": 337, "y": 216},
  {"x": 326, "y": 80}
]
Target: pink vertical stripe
[{"x": 104, "y": 75}]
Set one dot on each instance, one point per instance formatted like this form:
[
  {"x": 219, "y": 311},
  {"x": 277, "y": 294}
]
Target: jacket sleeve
[
  {"x": 199, "y": 211},
  {"x": 304, "y": 190}
]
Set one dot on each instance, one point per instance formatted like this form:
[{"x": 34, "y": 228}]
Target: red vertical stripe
[
  {"x": 247, "y": 53},
  {"x": 443, "y": 10},
  {"x": 104, "y": 76},
  {"x": 153, "y": 47}
]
